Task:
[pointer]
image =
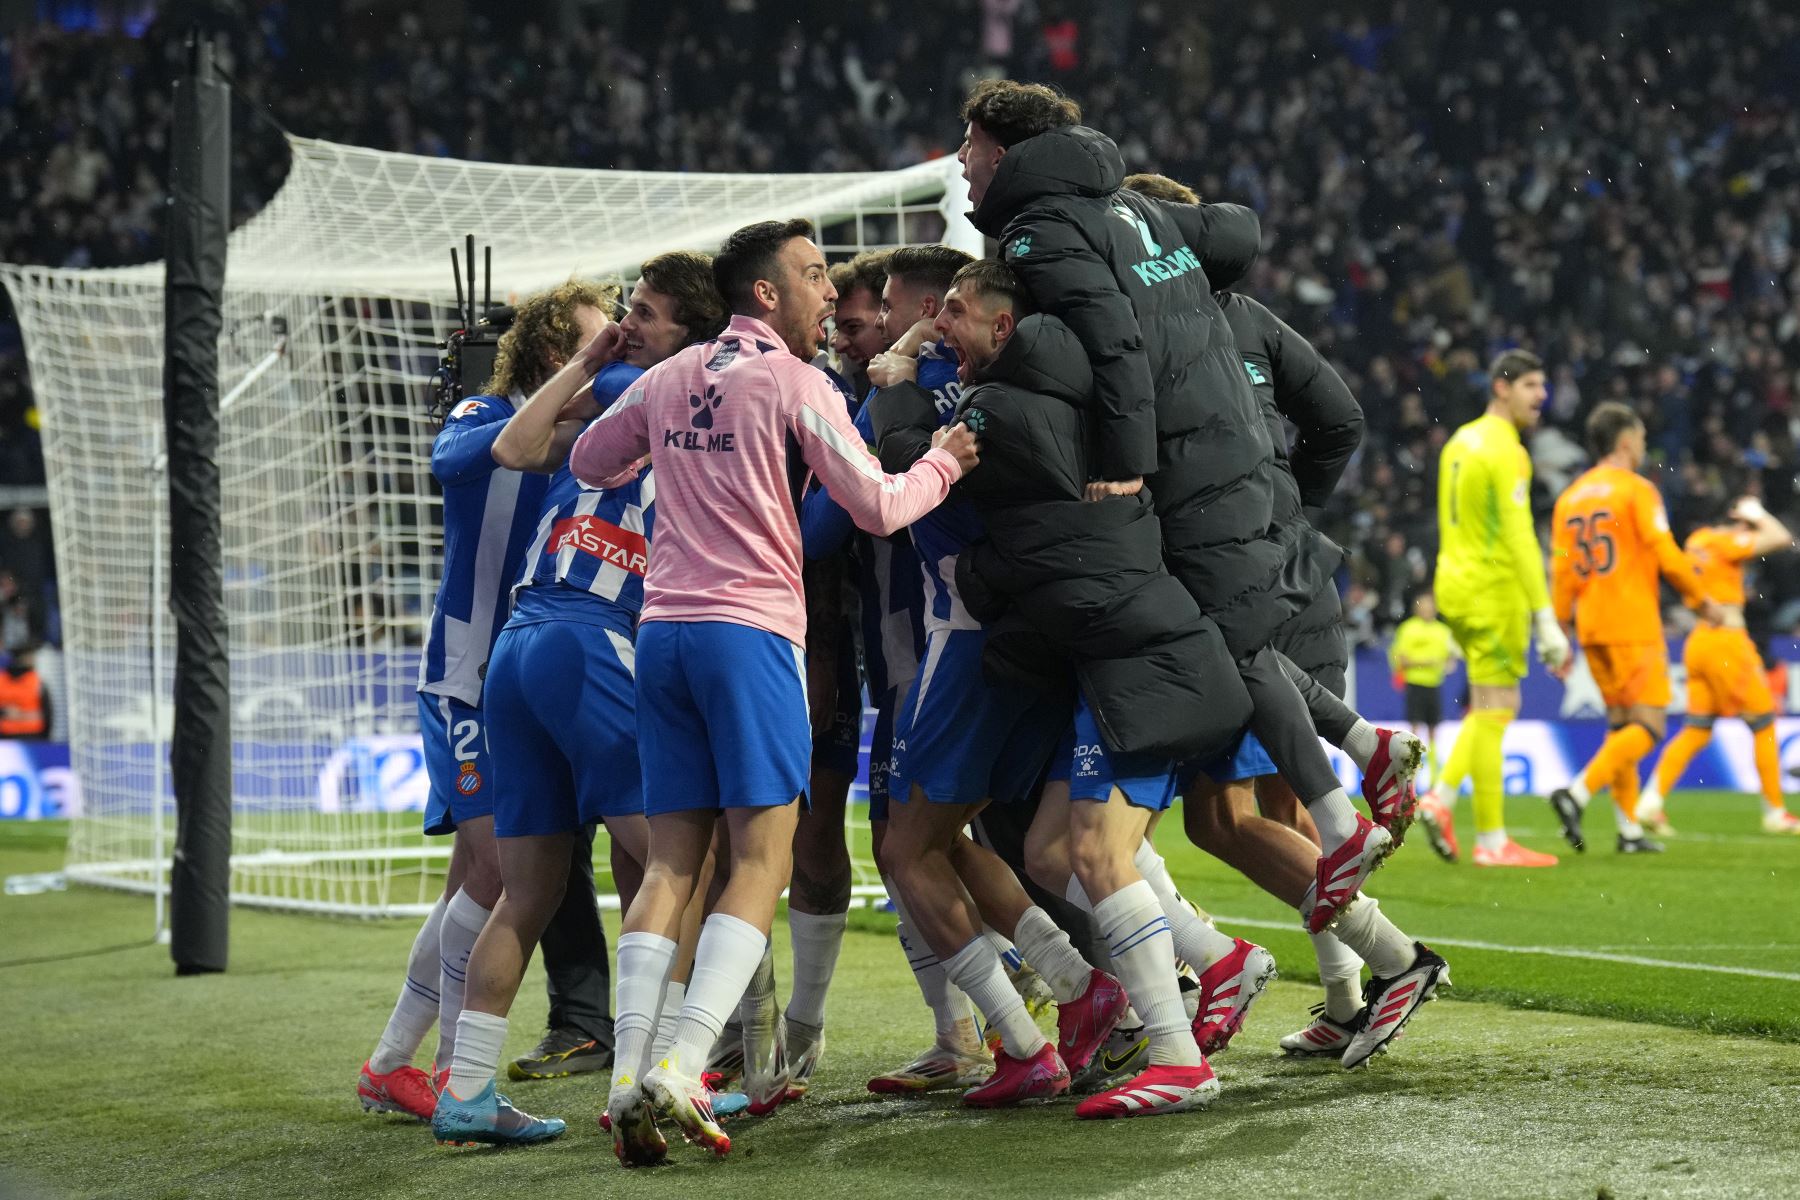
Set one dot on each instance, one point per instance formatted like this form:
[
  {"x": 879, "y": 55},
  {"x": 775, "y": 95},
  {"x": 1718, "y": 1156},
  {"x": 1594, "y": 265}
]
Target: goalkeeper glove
[{"x": 1552, "y": 642}]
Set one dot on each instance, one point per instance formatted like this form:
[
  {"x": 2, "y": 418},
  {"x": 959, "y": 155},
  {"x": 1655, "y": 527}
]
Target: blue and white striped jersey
[
  {"x": 489, "y": 514},
  {"x": 893, "y": 598},
  {"x": 942, "y": 534},
  {"x": 595, "y": 543}
]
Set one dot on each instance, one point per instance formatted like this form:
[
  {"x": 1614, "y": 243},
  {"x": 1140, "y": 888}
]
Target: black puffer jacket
[
  {"x": 1293, "y": 382},
  {"x": 1059, "y": 580},
  {"x": 1171, "y": 399}
]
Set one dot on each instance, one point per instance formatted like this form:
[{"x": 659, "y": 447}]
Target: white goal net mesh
[{"x": 336, "y": 297}]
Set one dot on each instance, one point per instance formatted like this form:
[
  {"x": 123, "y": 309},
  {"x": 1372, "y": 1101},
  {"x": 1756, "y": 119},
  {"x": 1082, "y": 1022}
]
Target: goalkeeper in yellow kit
[{"x": 1492, "y": 593}]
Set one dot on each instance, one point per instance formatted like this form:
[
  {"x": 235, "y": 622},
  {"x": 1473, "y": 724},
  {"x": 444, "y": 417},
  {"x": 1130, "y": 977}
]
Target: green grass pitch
[{"x": 1598, "y": 1070}]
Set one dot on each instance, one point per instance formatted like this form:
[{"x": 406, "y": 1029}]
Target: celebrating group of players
[{"x": 1057, "y": 486}]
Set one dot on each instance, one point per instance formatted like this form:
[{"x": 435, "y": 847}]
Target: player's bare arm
[
  {"x": 1767, "y": 529},
  {"x": 539, "y": 436}
]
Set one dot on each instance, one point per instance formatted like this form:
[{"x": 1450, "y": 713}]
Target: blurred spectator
[{"x": 25, "y": 555}]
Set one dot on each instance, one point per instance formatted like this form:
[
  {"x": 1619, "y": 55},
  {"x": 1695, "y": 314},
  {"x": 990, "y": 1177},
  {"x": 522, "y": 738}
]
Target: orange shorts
[
  {"x": 1725, "y": 675},
  {"x": 1631, "y": 674}
]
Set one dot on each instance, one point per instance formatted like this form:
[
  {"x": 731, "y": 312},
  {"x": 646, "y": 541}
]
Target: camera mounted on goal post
[{"x": 469, "y": 352}]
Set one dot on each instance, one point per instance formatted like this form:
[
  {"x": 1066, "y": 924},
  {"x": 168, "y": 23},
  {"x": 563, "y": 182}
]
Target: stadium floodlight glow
[{"x": 335, "y": 303}]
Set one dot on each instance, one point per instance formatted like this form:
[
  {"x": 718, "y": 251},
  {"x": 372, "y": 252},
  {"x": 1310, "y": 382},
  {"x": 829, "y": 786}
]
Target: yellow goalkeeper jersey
[{"x": 1488, "y": 555}]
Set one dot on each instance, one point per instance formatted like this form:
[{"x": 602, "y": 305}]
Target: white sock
[
  {"x": 1578, "y": 788},
  {"x": 728, "y": 954},
  {"x": 1340, "y": 970},
  {"x": 417, "y": 1008},
  {"x": 667, "y": 1018},
  {"x": 1010, "y": 957},
  {"x": 1197, "y": 943},
  {"x": 1491, "y": 840},
  {"x": 1077, "y": 895},
  {"x": 1049, "y": 949},
  {"x": 1143, "y": 957},
  {"x": 951, "y": 1011},
  {"x": 1628, "y": 827},
  {"x": 1335, "y": 817},
  {"x": 463, "y": 919},
  {"x": 645, "y": 962},
  {"x": 480, "y": 1039},
  {"x": 1361, "y": 743},
  {"x": 817, "y": 939},
  {"x": 1155, "y": 871},
  {"x": 949, "y": 1007},
  {"x": 1650, "y": 802},
  {"x": 977, "y": 971},
  {"x": 1362, "y": 926}
]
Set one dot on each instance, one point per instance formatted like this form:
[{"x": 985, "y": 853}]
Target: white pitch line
[
  {"x": 1711, "y": 839},
  {"x": 1630, "y": 960}
]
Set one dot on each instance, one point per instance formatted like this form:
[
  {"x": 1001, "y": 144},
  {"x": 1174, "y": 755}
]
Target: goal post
[{"x": 336, "y": 297}]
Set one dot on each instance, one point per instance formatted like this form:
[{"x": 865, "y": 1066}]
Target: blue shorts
[
  {"x": 962, "y": 741},
  {"x": 456, "y": 761},
  {"x": 559, "y": 699},
  {"x": 881, "y": 754},
  {"x": 840, "y": 747},
  {"x": 1245, "y": 760},
  {"x": 721, "y": 716},
  {"x": 1093, "y": 771}
]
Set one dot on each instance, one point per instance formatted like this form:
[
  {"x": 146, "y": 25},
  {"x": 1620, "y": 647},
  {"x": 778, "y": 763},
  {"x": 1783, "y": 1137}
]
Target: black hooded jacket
[
  {"x": 1061, "y": 581},
  {"x": 1172, "y": 401},
  {"x": 1292, "y": 382}
]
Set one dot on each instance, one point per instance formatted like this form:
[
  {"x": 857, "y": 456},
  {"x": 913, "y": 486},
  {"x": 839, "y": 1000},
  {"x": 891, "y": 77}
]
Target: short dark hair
[
  {"x": 931, "y": 266},
  {"x": 1161, "y": 187},
  {"x": 990, "y": 278},
  {"x": 1606, "y": 424},
  {"x": 686, "y": 277},
  {"x": 1512, "y": 365},
  {"x": 1010, "y": 111},
  {"x": 868, "y": 271},
  {"x": 749, "y": 255}
]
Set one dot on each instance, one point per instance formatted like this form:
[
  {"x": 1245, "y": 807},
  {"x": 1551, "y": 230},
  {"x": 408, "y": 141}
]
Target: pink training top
[{"x": 731, "y": 427}]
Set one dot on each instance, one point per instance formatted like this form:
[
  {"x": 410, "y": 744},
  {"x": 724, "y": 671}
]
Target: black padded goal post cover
[{"x": 200, "y": 749}]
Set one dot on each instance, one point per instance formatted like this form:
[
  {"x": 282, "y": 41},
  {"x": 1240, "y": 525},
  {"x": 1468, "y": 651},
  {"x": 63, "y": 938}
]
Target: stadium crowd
[{"x": 1626, "y": 205}]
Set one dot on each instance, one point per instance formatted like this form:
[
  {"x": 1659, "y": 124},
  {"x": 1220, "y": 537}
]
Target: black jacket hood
[
  {"x": 1071, "y": 161},
  {"x": 1043, "y": 356}
]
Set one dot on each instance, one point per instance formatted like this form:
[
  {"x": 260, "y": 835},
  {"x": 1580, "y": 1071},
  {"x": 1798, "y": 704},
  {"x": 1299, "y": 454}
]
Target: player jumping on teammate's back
[
  {"x": 1725, "y": 674},
  {"x": 1491, "y": 592},
  {"x": 1172, "y": 407},
  {"x": 1609, "y": 541},
  {"x": 1291, "y": 382},
  {"x": 489, "y": 515},
  {"x": 731, "y": 428}
]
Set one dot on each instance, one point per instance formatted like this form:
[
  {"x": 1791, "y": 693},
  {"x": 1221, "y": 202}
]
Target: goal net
[{"x": 336, "y": 296}]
